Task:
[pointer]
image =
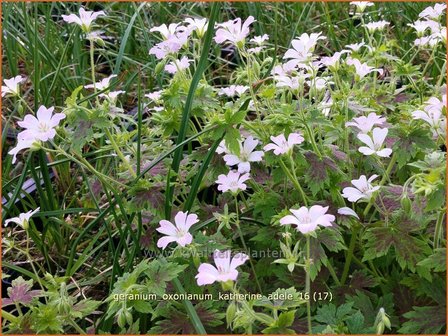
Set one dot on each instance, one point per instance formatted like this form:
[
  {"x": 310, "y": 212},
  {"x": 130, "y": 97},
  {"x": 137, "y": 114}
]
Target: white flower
[
  {"x": 326, "y": 104},
  {"x": 23, "y": 219},
  {"x": 232, "y": 182},
  {"x": 283, "y": 69},
  {"x": 432, "y": 114},
  {"x": 222, "y": 148},
  {"x": 21, "y": 145},
  {"x": 362, "y": 69},
  {"x": 168, "y": 31},
  {"x": 178, "y": 65},
  {"x": 365, "y": 124},
  {"x": 260, "y": 39},
  {"x": 197, "y": 24},
  {"x": 102, "y": 84},
  {"x": 307, "y": 220},
  {"x": 255, "y": 50},
  {"x": 225, "y": 269},
  {"x": 233, "y": 90},
  {"x": 333, "y": 61},
  {"x": 246, "y": 156},
  {"x": 361, "y": 5},
  {"x": 172, "y": 45},
  {"x": 282, "y": 146},
  {"x": 345, "y": 211},
  {"x": 319, "y": 83},
  {"x": 377, "y": 25},
  {"x": 42, "y": 127},
  {"x": 233, "y": 31},
  {"x": 302, "y": 48},
  {"x": 178, "y": 232},
  {"x": 12, "y": 86},
  {"x": 363, "y": 189},
  {"x": 375, "y": 143},
  {"x": 420, "y": 26},
  {"x": 155, "y": 95},
  {"x": 356, "y": 46},
  {"x": 433, "y": 13},
  {"x": 85, "y": 18}
]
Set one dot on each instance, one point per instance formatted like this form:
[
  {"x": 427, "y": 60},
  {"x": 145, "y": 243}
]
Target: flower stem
[
  {"x": 119, "y": 152},
  {"x": 308, "y": 284},
  {"x": 383, "y": 180},
  {"x": 438, "y": 229},
  {"x": 294, "y": 180},
  {"x": 349, "y": 256},
  {"x": 237, "y": 222}
]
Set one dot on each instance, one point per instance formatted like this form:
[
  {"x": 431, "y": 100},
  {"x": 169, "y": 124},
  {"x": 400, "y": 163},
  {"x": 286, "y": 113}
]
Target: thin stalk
[
  {"x": 244, "y": 244},
  {"x": 119, "y": 152},
  {"x": 294, "y": 181},
  {"x": 308, "y": 284}
]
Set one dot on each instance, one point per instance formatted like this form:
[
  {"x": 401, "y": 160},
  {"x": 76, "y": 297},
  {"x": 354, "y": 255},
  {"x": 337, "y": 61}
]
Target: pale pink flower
[
  {"x": 222, "y": 148},
  {"x": 432, "y": 114},
  {"x": 255, "y": 50},
  {"x": 355, "y": 46},
  {"x": 197, "y": 24},
  {"x": 232, "y": 182},
  {"x": 283, "y": 69},
  {"x": 361, "y": 5},
  {"x": 362, "y": 69},
  {"x": 307, "y": 220},
  {"x": 233, "y": 31},
  {"x": 84, "y": 20},
  {"x": 345, "y": 211},
  {"x": 11, "y": 86},
  {"x": 363, "y": 189},
  {"x": 365, "y": 124},
  {"x": 225, "y": 269},
  {"x": 168, "y": 31},
  {"x": 112, "y": 95},
  {"x": 246, "y": 156},
  {"x": 319, "y": 83},
  {"x": 177, "y": 232},
  {"x": 420, "y": 26},
  {"x": 41, "y": 128},
  {"x": 23, "y": 219},
  {"x": 377, "y": 25},
  {"x": 21, "y": 145},
  {"x": 259, "y": 40},
  {"x": 178, "y": 65},
  {"x": 375, "y": 143},
  {"x": 333, "y": 61},
  {"x": 155, "y": 95},
  {"x": 233, "y": 90},
  {"x": 164, "y": 48},
  {"x": 102, "y": 84},
  {"x": 302, "y": 48},
  {"x": 282, "y": 146},
  {"x": 433, "y": 13}
]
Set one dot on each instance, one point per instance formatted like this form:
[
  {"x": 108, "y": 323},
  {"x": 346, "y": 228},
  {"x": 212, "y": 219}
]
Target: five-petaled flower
[
  {"x": 85, "y": 18},
  {"x": 307, "y": 220},
  {"x": 246, "y": 156},
  {"x": 233, "y": 182},
  {"x": 233, "y": 31},
  {"x": 225, "y": 269},
  {"x": 177, "y": 232},
  {"x": 302, "y": 48},
  {"x": 233, "y": 90},
  {"x": 363, "y": 189},
  {"x": 178, "y": 65},
  {"x": 282, "y": 146},
  {"x": 362, "y": 69},
  {"x": 23, "y": 219},
  {"x": 11, "y": 86},
  {"x": 365, "y": 124},
  {"x": 375, "y": 143}
]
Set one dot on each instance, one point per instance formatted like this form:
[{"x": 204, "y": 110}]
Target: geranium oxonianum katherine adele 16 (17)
[
  {"x": 233, "y": 182},
  {"x": 177, "y": 232},
  {"x": 307, "y": 220},
  {"x": 375, "y": 143},
  {"x": 225, "y": 269},
  {"x": 11, "y": 86},
  {"x": 23, "y": 219},
  {"x": 282, "y": 146}
]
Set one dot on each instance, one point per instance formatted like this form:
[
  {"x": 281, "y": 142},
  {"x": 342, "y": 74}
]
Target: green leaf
[
  {"x": 232, "y": 140},
  {"x": 436, "y": 261},
  {"x": 286, "y": 319},
  {"x": 424, "y": 320},
  {"x": 355, "y": 323},
  {"x": 159, "y": 274}
]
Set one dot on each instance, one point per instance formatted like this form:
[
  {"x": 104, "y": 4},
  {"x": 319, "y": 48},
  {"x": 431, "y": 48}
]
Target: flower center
[
  {"x": 305, "y": 220},
  {"x": 43, "y": 127},
  {"x": 233, "y": 184}
]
